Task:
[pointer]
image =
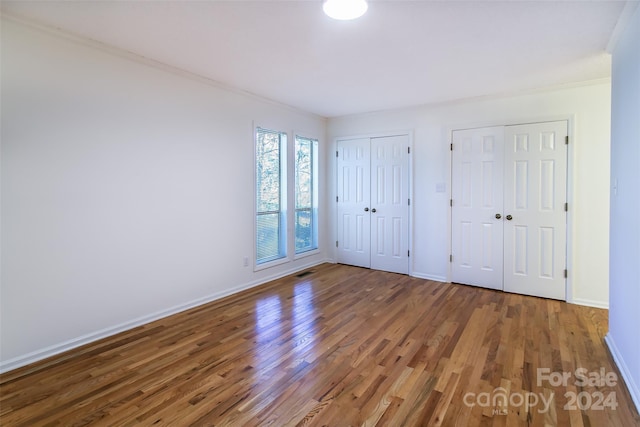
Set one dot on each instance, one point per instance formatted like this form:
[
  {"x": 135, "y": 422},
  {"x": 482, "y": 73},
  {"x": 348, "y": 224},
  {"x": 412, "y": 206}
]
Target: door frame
[
  {"x": 334, "y": 188},
  {"x": 571, "y": 120}
]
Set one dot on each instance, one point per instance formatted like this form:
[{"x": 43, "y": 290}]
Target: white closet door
[
  {"x": 535, "y": 223},
  {"x": 390, "y": 204},
  {"x": 477, "y": 200},
  {"x": 353, "y": 165}
]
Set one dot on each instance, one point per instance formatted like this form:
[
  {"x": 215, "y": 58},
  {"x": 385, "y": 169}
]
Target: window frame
[
  {"x": 282, "y": 256},
  {"x": 313, "y": 209}
]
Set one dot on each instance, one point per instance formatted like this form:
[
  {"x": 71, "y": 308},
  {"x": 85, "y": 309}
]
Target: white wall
[
  {"x": 588, "y": 108},
  {"x": 624, "y": 293},
  {"x": 127, "y": 191}
]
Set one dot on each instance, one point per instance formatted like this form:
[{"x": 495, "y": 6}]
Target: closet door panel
[
  {"x": 390, "y": 204},
  {"x": 535, "y": 195},
  {"x": 354, "y": 189},
  {"x": 476, "y": 190}
]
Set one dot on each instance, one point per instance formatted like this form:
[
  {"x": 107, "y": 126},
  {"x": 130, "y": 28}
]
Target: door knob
[
  {"x": 366, "y": 209},
  {"x": 509, "y": 217},
  {"x": 373, "y": 210},
  {"x": 498, "y": 216}
]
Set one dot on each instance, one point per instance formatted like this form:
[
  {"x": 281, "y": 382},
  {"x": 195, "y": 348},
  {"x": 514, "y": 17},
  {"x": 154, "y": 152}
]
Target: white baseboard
[
  {"x": 632, "y": 386},
  {"x": 589, "y": 303},
  {"x": 429, "y": 277},
  {"x": 43, "y": 353}
]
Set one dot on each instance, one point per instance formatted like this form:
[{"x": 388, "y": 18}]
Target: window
[
  {"x": 271, "y": 211},
  {"x": 306, "y": 194}
]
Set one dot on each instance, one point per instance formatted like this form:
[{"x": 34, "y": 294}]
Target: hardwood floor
[{"x": 340, "y": 346}]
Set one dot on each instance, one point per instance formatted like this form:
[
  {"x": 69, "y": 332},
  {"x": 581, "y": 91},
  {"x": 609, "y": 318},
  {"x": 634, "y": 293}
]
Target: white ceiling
[{"x": 400, "y": 54}]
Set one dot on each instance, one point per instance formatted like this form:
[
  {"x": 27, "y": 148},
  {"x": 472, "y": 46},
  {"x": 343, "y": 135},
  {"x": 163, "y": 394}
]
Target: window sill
[
  {"x": 306, "y": 254},
  {"x": 270, "y": 264}
]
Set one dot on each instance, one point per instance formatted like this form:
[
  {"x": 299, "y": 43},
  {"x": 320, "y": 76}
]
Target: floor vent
[{"x": 304, "y": 273}]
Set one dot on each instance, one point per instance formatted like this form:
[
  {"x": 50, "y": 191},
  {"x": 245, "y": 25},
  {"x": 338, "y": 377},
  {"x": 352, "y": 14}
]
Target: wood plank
[{"x": 340, "y": 346}]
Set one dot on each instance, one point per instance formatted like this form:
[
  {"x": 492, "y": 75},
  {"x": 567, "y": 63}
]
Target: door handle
[
  {"x": 498, "y": 216},
  {"x": 373, "y": 210},
  {"x": 366, "y": 209},
  {"x": 509, "y": 217}
]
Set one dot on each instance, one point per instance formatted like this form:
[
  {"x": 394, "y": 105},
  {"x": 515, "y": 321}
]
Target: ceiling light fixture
[{"x": 345, "y": 9}]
